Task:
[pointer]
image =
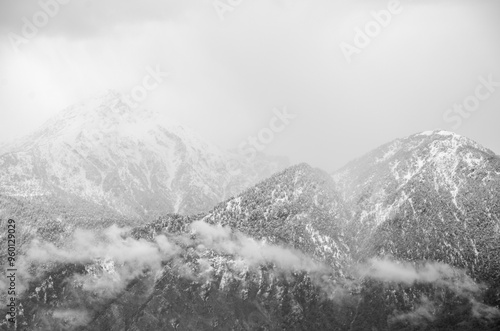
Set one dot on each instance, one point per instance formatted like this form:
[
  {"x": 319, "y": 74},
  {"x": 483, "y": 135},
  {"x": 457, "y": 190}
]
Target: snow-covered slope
[
  {"x": 131, "y": 160},
  {"x": 299, "y": 206},
  {"x": 404, "y": 238},
  {"x": 430, "y": 196},
  {"x": 442, "y": 155}
]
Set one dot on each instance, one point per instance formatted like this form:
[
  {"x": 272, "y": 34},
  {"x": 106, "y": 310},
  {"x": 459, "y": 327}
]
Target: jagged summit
[
  {"x": 132, "y": 160},
  {"x": 298, "y": 202},
  {"x": 435, "y": 163},
  {"x": 450, "y": 136},
  {"x": 428, "y": 181},
  {"x": 437, "y": 146},
  {"x": 438, "y": 132},
  {"x": 103, "y": 113}
]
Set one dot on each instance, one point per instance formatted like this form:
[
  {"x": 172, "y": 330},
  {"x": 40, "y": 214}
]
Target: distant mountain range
[
  {"x": 132, "y": 162},
  {"x": 404, "y": 238}
]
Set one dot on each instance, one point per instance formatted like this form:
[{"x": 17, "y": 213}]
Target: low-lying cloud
[
  {"x": 224, "y": 240},
  {"x": 439, "y": 275},
  {"x": 114, "y": 258}
]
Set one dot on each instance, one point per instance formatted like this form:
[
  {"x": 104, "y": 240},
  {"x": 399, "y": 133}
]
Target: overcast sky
[{"x": 230, "y": 67}]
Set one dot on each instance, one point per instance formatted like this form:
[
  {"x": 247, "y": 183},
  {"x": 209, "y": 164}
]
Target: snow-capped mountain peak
[
  {"x": 448, "y": 164},
  {"x": 132, "y": 160}
]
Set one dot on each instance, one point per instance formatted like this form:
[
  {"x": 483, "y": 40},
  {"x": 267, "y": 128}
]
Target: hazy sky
[{"x": 230, "y": 67}]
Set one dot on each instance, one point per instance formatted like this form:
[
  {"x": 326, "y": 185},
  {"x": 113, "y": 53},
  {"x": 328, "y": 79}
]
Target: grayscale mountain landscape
[
  {"x": 153, "y": 231},
  {"x": 267, "y": 165}
]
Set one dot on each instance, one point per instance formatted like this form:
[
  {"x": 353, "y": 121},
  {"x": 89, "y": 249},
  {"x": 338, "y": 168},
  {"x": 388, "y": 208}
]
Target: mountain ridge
[
  {"x": 403, "y": 238},
  {"x": 131, "y": 160}
]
